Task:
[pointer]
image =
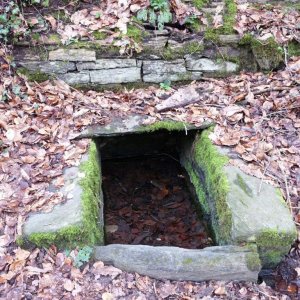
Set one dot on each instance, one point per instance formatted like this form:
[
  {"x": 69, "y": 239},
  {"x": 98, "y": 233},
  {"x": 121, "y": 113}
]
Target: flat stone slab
[
  {"x": 49, "y": 67},
  {"x": 72, "y": 55},
  {"x": 75, "y": 78},
  {"x": 174, "y": 263},
  {"x": 209, "y": 65},
  {"x": 112, "y": 63},
  {"x": 256, "y": 206},
  {"x": 117, "y": 75},
  {"x": 64, "y": 215},
  {"x": 157, "y": 71},
  {"x": 79, "y": 220},
  {"x": 130, "y": 125}
]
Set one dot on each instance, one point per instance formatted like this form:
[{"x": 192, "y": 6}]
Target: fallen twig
[{"x": 241, "y": 97}]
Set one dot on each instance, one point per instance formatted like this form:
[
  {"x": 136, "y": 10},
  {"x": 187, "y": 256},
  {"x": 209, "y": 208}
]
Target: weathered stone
[
  {"x": 242, "y": 208},
  {"x": 68, "y": 221},
  {"x": 72, "y": 55},
  {"x": 75, "y": 78},
  {"x": 159, "y": 70},
  {"x": 118, "y": 75},
  {"x": 49, "y": 67},
  {"x": 112, "y": 63},
  {"x": 212, "y": 263},
  {"x": 229, "y": 38},
  {"x": 207, "y": 65},
  {"x": 25, "y": 53},
  {"x": 132, "y": 124}
]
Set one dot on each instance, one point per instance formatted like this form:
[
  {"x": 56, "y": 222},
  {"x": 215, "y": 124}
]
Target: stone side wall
[
  {"x": 163, "y": 57},
  {"x": 80, "y": 66}
]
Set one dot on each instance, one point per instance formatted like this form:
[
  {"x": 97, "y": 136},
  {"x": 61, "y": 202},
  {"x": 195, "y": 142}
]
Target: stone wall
[{"x": 162, "y": 58}]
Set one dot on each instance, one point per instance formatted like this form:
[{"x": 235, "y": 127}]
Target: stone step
[{"x": 174, "y": 263}]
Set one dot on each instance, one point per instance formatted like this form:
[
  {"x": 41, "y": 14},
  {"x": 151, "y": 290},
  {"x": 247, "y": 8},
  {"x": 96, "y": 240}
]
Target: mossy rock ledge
[
  {"x": 78, "y": 221},
  {"x": 242, "y": 209}
]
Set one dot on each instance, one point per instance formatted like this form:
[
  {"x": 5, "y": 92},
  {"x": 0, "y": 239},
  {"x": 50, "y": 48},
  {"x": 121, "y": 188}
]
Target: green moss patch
[
  {"x": 273, "y": 245},
  {"x": 211, "y": 162},
  {"x": 165, "y": 125},
  {"x": 37, "y": 76},
  {"x": 268, "y": 54}
]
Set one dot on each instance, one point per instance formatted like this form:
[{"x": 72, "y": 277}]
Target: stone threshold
[{"x": 250, "y": 220}]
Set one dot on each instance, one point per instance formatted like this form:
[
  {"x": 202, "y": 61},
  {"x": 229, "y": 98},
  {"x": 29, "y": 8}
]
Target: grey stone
[
  {"x": 64, "y": 215},
  {"x": 75, "y": 78},
  {"x": 212, "y": 263},
  {"x": 208, "y": 65},
  {"x": 25, "y": 53},
  {"x": 131, "y": 124},
  {"x": 50, "y": 67},
  {"x": 118, "y": 75},
  {"x": 112, "y": 63},
  {"x": 256, "y": 207},
  {"x": 160, "y": 70},
  {"x": 72, "y": 55},
  {"x": 229, "y": 38}
]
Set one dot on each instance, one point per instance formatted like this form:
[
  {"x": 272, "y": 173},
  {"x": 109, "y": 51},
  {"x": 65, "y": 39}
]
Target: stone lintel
[
  {"x": 174, "y": 263},
  {"x": 130, "y": 125}
]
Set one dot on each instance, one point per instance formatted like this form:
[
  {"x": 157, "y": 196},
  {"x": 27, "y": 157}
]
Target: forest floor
[{"x": 257, "y": 115}]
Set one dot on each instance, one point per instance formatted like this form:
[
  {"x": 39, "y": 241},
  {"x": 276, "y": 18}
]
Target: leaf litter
[{"x": 256, "y": 115}]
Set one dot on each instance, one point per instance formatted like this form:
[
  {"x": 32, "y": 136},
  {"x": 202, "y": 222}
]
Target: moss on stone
[
  {"x": 165, "y": 125},
  {"x": 200, "y": 3},
  {"x": 199, "y": 188},
  {"x": 170, "y": 53},
  {"x": 267, "y": 51},
  {"x": 273, "y": 245},
  {"x": 252, "y": 259},
  {"x": 37, "y": 76},
  {"x": 211, "y": 162},
  {"x": 100, "y": 35},
  {"x": 135, "y": 33},
  {"x": 88, "y": 232},
  {"x": 187, "y": 261},
  {"x": 243, "y": 185},
  {"x": 55, "y": 38},
  {"x": 193, "y": 23},
  {"x": 294, "y": 48},
  {"x": 229, "y": 17},
  {"x": 211, "y": 35}
]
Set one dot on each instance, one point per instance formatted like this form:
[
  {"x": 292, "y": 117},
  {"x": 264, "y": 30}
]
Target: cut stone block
[
  {"x": 79, "y": 220},
  {"x": 75, "y": 78},
  {"x": 72, "y": 55},
  {"x": 210, "y": 66},
  {"x": 113, "y": 63},
  {"x": 118, "y": 75},
  {"x": 158, "y": 70},
  {"x": 49, "y": 67},
  {"x": 239, "y": 213},
  {"x": 212, "y": 263}
]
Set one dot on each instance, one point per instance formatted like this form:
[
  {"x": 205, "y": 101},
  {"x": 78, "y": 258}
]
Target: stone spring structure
[
  {"x": 251, "y": 224},
  {"x": 249, "y": 219}
]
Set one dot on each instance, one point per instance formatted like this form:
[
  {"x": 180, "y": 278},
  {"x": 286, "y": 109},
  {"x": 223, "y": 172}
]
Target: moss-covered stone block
[
  {"x": 242, "y": 209},
  {"x": 78, "y": 221}
]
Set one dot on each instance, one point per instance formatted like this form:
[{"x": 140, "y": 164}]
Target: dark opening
[{"x": 147, "y": 199}]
